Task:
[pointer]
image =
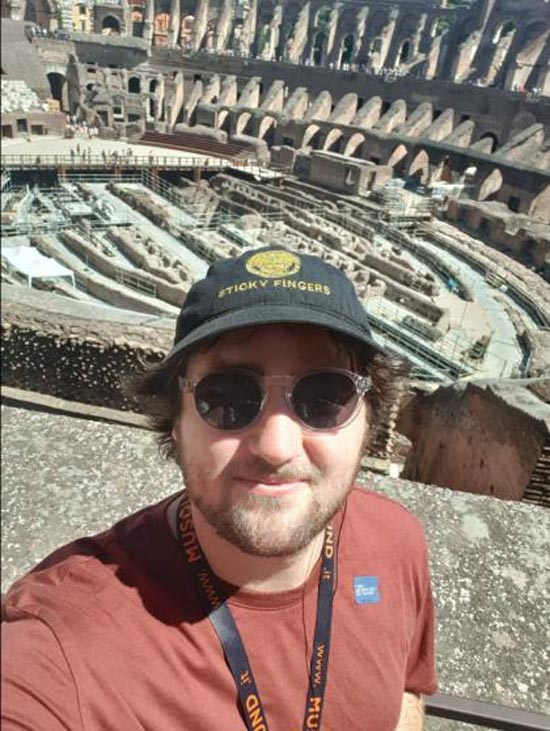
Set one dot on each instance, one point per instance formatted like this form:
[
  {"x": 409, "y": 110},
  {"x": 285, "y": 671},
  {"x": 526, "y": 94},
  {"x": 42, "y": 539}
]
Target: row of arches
[
  {"x": 345, "y": 57},
  {"x": 420, "y": 170},
  {"x": 314, "y": 137},
  {"x": 279, "y": 24},
  {"x": 482, "y": 140},
  {"x": 504, "y": 54}
]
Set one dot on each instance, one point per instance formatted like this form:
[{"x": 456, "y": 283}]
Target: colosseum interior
[
  {"x": 405, "y": 141},
  {"x": 408, "y": 143}
]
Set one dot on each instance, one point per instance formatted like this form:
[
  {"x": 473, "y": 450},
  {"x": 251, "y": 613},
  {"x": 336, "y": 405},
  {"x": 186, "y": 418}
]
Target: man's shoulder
[
  {"x": 380, "y": 515},
  {"x": 365, "y": 499},
  {"x": 87, "y": 567}
]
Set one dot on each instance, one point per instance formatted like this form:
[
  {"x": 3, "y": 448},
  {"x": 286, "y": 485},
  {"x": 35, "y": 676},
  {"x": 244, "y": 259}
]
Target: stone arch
[
  {"x": 311, "y": 134},
  {"x": 532, "y": 42},
  {"x": 405, "y": 53},
  {"x": 490, "y": 186},
  {"x": 263, "y": 39},
  {"x": 354, "y": 143},
  {"x": 58, "y": 88},
  {"x": 153, "y": 86},
  {"x": 118, "y": 109},
  {"x": 521, "y": 121},
  {"x": 318, "y": 47},
  {"x": 110, "y": 26},
  {"x": 540, "y": 205},
  {"x": 134, "y": 85},
  {"x": 495, "y": 143},
  {"x": 439, "y": 26},
  {"x": 398, "y": 157},
  {"x": 40, "y": 12},
  {"x": 269, "y": 136},
  {"x": 242, "y": 123},
  {"x": 377, "y": 44},
  {"x": 346, "y": 53},
  {"x": 208, "y": 39},
  {"x": 136, "y": 19},
  {"x": 419, "y": 169},
  {"x": 533, "y": 30},
  {"x": 332, "y": 137},
  {"x": 322, "y": 16},
  {"x": 504, "y": 29},
  {"x": 186, "y": 31},
  {"x": 162, "y": 21},
  {"x": 466, "y": 30},
  {"x": 266, "y": 124},
  {"x": 224, "y": 120}
]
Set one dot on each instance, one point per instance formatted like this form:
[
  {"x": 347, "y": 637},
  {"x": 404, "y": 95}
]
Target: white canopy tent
[{"x": 34, "y": 265}]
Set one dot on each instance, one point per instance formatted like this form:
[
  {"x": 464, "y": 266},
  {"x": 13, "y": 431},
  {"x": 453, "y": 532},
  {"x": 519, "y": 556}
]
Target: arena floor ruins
[{"x": 470, "y": 322}]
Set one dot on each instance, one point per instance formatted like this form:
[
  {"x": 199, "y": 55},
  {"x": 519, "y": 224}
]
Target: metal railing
[
  {"x": 132, "y": 162},
  {"x": 488, "y": 715}
]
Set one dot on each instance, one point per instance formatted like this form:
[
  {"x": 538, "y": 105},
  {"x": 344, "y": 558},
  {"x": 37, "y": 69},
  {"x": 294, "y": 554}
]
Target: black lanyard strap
[{"x": 215, "y": 604}]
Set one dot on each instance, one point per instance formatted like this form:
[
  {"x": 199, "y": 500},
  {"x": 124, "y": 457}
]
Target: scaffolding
[{"x": 402, "y": 209}]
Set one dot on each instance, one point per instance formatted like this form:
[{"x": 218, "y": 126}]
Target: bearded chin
[
  {"x": 258, "y": 525},
  {"x": 262, "y": 525}
]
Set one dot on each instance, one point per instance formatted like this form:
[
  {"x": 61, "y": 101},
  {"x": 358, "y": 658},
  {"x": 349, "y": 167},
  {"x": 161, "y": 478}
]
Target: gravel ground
[{"x": 65, "y": 477}]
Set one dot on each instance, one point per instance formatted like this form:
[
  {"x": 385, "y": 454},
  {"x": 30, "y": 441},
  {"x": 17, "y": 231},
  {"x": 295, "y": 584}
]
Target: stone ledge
[{"x": 52, "y": 404}]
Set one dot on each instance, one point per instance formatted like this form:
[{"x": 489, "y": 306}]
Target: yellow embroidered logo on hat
[{"x": 273, "y": 264}]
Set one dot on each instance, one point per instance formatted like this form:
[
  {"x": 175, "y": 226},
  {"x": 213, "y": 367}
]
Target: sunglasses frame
[{"x": 362, "y": 385}]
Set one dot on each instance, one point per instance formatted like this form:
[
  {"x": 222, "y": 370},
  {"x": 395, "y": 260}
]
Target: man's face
[{"x": 271, "y": 488}]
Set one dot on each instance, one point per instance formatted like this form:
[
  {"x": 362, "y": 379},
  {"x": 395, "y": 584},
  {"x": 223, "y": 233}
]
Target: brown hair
[{"x": 158, "y": 394}]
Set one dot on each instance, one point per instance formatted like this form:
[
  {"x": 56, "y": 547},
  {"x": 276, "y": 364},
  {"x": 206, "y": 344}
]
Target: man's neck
[{"x": 266, "y": 574}]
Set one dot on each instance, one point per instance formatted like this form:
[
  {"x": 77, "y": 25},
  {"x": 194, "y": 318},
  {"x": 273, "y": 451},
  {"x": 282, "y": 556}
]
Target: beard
[{"x": 263, "y": 525}]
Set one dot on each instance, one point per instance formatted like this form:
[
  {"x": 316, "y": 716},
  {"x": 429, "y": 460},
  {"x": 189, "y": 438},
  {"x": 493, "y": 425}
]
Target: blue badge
[{"x": 366, "y": 589}]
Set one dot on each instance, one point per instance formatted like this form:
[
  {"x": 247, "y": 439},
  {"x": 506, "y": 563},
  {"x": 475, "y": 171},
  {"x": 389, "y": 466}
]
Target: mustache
[{"x": 259, "y": 468}]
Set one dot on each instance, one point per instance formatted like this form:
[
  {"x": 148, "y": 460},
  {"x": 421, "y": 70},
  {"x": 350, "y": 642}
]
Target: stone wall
[
  {"x": 23, "y": 124},
  {"x": 478, "y": 437},
  {"x": 517, "y": 236},
  {"x": 74, "y": 358},
  {"x": 346, "y": 174}
]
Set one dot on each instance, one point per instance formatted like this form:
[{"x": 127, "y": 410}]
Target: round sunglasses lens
[
  {"x": 324, "y": 400},
  {"x": 228, "y": 400}
]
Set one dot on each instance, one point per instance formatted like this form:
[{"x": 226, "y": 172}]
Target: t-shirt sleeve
[
  {"x": 420, "y": 671},
  {"x": 38, "y": 690}
]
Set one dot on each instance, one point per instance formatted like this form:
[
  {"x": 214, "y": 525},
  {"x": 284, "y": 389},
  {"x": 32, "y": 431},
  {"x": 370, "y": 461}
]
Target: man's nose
[{"x": 277, "y": 438}]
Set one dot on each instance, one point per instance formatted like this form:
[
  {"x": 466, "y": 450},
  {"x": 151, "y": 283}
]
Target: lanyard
[{"x": 220, "y": 615}]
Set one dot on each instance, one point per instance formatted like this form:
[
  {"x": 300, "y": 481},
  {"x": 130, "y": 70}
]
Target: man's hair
[{"x": 157, "y": 390}]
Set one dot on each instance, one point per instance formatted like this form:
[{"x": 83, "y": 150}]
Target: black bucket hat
[{"x": 266, "y": 286}]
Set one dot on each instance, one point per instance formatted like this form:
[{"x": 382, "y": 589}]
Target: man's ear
[{"x": 174, "y": 433}]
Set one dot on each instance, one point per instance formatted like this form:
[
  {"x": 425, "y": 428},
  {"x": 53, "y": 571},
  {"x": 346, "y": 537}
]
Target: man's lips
[{"x": 271, "y": 485}]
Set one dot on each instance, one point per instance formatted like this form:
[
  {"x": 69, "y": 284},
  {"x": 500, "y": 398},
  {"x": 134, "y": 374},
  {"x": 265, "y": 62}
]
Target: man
[{"x": 269, "y": 593}]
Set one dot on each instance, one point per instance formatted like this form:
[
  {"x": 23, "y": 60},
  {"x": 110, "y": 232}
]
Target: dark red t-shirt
[{"x": 108, "y": 633}]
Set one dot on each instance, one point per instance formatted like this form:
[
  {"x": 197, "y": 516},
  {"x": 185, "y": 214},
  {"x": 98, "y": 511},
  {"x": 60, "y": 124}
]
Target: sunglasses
[{"x": 321, "y": 400}]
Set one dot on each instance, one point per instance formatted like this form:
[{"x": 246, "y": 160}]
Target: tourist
[{"x": 270, "y": 568}]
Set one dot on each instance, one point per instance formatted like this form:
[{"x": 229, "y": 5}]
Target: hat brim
[{"x": 269, "y": 315}]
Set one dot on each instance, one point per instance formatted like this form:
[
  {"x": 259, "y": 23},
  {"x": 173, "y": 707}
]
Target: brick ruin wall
[{"x": 74, "y": 359}]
